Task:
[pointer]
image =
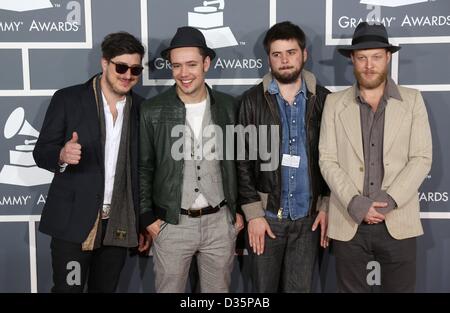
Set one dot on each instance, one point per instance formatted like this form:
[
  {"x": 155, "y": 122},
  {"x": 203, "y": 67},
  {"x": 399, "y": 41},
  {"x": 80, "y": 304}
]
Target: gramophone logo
[
  {"x": 392, "y": 3},
  {"x": 22, "y": 170},
  {"x": 25, "y": 5},
  {"x": 209, "y": 20}
]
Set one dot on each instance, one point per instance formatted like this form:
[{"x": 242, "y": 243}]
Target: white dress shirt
[{"x": 112, "y": 143}]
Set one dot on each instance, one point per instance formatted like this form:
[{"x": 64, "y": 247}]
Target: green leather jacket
[{"x": 160, "y": 175}]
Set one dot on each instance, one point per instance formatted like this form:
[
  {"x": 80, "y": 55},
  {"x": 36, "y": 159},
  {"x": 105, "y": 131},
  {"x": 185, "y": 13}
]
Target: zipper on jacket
[
  {"x": 277, "y": 119},
  {"x": 308, "y": 119},
  {"x": 182, "y": 169}
]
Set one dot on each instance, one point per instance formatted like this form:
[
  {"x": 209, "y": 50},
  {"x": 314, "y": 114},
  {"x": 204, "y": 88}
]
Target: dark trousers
[
  {"x": 395, "y": 261},
  {"x": 100, "y": 268},
  {"x": 287, "y": 262}
]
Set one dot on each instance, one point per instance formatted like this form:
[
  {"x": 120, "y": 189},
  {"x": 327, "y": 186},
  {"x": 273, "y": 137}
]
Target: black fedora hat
[
  {"x": 368, "y": 36},
  {"x": 187, "y": 36}
]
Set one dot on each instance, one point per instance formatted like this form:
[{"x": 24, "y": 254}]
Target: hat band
[{"x": 367, "y": 38}]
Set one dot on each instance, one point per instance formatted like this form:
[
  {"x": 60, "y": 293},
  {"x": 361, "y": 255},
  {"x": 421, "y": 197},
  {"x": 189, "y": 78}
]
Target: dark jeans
[
  {"x": 288, "y": 260},
  {"x": 100, "y": 267},
  {"x": 396, "y": 259}
]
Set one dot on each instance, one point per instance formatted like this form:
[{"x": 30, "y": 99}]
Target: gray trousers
[{"x": 211, "y": 237}]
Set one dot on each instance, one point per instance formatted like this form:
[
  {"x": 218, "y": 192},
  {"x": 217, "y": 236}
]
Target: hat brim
[
  {"x": 347, "y": 50},
  {"x": 209, "y": 52}
]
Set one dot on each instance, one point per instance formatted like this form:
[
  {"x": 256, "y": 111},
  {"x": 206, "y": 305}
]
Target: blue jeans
[{"x": 287, "y": 262}]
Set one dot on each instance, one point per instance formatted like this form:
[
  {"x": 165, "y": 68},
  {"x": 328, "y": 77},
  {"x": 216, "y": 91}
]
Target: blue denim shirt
[{"x": 295, "y": 187}]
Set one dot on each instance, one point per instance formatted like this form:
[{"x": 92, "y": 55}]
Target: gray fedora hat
[
  {"x": 368, "y": 36},
  {"x": 187, "y": 36}
]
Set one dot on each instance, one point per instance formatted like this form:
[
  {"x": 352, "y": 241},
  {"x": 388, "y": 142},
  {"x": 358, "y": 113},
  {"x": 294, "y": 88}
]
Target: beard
[
  {"x": 287, "y": 78},
  {"x": 378, "y": 80},
  {"x": 113, "y": 84}
]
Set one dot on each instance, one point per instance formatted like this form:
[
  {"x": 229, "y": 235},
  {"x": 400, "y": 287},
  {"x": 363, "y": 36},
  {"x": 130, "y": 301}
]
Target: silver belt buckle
[{"x": 106, "y": 210}]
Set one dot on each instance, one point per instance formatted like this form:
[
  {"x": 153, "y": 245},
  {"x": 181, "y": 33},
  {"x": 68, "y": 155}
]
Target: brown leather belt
[{"x": 203, "y": 211}]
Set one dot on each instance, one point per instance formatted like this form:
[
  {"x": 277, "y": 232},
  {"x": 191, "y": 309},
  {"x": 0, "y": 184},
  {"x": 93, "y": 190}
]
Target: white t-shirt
[{"x": 194, "y": 116}]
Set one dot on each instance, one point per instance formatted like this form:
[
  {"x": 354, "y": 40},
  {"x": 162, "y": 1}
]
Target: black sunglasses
[{"x": 123, "y": 68}]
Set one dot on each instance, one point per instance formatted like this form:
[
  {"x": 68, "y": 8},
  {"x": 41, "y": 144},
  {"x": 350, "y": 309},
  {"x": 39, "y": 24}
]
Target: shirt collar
[
  {"x": 275, "y": 90},
  {"x": 120, "y": 104},
  {"x": 390, "y": 91}
]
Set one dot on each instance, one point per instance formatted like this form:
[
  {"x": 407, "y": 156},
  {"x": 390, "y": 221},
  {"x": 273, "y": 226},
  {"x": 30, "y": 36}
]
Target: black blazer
[{"x": 76, "y": 195}]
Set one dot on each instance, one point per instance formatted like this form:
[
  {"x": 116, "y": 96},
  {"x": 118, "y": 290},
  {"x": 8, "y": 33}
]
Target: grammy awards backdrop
[{"x": 46, "y": 45}]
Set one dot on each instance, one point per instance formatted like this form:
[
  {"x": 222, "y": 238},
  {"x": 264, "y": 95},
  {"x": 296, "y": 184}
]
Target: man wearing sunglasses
[{"x": 89, "y": 139}]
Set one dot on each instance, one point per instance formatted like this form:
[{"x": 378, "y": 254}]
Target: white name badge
[{"x": 290, "y": 160}]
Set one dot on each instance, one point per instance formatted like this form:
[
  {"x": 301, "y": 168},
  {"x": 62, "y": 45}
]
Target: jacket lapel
[
  {"x": 351, "y": 122},
  {"x": 91, "y": 110},
  {"x": 394, "y": 116}
]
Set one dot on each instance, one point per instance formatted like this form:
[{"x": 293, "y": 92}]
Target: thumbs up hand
[
  {"x": 74, "y": 138},
  {"x": 71, "y": 152}
]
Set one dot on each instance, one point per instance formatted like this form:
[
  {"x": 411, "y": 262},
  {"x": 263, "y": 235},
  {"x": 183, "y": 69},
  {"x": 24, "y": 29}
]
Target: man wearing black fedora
[
  {"x": 375, "y": 151},
  {"x": 188, "y": 195}
]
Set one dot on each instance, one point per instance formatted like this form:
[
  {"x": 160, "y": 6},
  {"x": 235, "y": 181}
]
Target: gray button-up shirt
[{"x": 372, "y": 127}]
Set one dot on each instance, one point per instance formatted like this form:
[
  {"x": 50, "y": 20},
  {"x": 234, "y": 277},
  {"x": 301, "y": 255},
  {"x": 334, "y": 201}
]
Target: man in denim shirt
[
  {"x": 295, "y": 191},
  {"x": 284, "y": 206}
]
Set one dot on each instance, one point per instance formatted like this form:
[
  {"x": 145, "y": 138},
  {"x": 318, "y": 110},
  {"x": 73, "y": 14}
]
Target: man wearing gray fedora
[
  {"x": 188, "y": 195},
  {"x": 375, "y": 151}
]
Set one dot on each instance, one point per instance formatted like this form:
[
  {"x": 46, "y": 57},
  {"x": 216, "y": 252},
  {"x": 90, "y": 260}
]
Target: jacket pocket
[{"x": 162, "y": 230}]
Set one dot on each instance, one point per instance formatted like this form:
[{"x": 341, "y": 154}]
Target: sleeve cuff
[
  {"x": 323, "y": 204},
  {"x": 383, "y": 196},
  {"x": 145, "y": 219},
  {"x": 62, "y": 167},
  {"x": 358, "y": 208},
  {"x": 253, "y": 210}
]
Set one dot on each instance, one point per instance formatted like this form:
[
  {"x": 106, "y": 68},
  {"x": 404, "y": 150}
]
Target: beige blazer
[{"x": 407, "y": 154}]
